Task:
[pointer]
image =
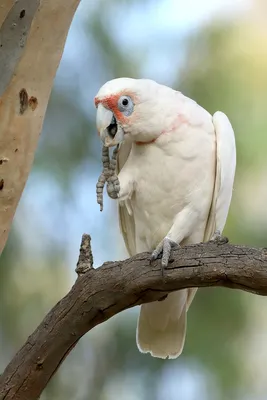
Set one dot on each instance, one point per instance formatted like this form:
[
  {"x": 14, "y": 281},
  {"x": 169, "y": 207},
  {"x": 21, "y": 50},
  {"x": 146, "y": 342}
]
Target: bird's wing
[
  {"x": 126, "y": 218},
  {"x": 224, "y": 180},
  {"x": 225, "y": 173}
]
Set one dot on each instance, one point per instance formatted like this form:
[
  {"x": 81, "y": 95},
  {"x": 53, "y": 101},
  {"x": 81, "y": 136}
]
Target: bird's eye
[{"x": 126, "y": 105}]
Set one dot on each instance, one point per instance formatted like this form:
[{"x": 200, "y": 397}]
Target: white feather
[
  {"x": 226, "y": 165},
  {"x": 126, "y": 218},
  {"x": 180, "y": 186},
  {"x": 224, "y": 180}
]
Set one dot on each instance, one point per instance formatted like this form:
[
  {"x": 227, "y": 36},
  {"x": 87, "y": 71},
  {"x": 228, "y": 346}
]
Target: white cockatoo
[{"x": 176, "y": 167}]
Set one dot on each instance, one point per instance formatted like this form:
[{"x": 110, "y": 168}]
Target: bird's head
[{"x": 135, "y": 108}]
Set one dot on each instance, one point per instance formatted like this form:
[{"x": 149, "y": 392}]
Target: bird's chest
[
  {"x": 159, "y": 190},
  {"x": 166, "y": 180}
]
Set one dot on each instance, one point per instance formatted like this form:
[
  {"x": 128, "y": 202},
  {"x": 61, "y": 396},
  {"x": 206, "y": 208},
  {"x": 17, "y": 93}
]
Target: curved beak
[{"x": 111, "y": 133}]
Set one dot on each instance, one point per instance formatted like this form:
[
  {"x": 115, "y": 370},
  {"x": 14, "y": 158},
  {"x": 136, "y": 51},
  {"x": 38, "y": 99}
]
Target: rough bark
[
  {"x": 30, "y": 52},
  {"x": 100, "y": 293}
]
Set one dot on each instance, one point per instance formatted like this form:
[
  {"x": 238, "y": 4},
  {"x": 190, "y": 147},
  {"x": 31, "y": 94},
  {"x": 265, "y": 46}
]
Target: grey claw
[
  {"x": 166, "y": 253},
  {"x": 216, "y": 235},
  {"x": 163, "y": 248},
  {"x": 157, "y": 251},
  {"x": 218, "y": 238}
]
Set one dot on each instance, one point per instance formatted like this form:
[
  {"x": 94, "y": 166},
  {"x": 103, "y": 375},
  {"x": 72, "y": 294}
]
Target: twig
[{"x": 85, "y": 261}]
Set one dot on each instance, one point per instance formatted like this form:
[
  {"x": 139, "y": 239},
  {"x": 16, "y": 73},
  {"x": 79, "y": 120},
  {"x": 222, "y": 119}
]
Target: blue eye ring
[{"x": 126, "y": 105}]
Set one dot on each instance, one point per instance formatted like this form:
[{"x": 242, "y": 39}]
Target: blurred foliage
[{"x": 224, "y": 69}]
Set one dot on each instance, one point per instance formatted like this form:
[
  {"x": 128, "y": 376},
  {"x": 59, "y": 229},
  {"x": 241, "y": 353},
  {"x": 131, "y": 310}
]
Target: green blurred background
[{"x": 214, "y": 51}]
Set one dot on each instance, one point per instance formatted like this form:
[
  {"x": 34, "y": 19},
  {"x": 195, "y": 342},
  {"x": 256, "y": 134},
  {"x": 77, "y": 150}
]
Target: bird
[{"x": 176, "y": 168}]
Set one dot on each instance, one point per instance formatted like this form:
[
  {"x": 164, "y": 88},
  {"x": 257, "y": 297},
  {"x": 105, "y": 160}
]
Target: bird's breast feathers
[{"x": 174, "y": 172}]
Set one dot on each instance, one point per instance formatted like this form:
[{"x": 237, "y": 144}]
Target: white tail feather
[{"x": 162, "y": 326}]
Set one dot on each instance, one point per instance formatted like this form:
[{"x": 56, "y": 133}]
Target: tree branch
[
  {"x": 30, "y": 52},
  {"x": 100, "y": 293}
]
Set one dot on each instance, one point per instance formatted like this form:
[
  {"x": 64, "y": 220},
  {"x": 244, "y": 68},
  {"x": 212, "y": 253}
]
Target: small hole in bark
[
  {"x": 22, "y": 14},
  {"x": 16, "y": 150},
  {"x": 2, "y": 184}
]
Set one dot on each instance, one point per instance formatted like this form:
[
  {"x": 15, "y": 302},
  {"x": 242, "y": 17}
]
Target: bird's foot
[
  {"x": 164, "y": 250},
  {"x": 218, "y": 238}
]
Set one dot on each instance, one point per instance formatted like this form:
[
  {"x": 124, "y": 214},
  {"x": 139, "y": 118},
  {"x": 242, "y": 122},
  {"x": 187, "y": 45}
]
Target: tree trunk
[{"x": 32, "y": 39}]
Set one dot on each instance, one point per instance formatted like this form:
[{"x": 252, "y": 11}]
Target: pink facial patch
[{"x": 111, "y": 102}]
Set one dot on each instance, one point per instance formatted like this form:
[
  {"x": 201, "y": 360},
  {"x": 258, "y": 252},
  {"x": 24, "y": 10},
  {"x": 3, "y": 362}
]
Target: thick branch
[
  {"x": 30, "y": 52},
  {"x": 98, "y": 294}
]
